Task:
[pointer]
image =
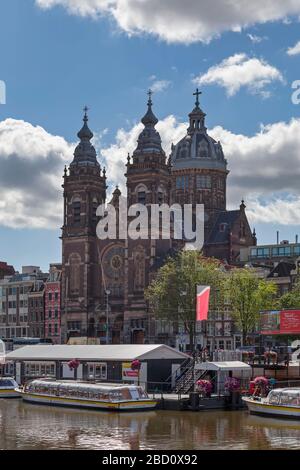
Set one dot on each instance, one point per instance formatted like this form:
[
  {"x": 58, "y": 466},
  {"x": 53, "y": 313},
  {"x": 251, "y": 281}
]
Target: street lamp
[{"x": 107, "y": 292}]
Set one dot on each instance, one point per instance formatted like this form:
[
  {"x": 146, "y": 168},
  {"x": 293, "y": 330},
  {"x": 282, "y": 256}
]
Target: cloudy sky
[{"x": 59, "y": 55}]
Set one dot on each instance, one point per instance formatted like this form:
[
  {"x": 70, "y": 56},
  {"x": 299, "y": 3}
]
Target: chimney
[{"x": 277, "y": 237}]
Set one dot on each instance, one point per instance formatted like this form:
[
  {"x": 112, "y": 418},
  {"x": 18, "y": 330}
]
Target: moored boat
[
  {"x": 8, "y": 387},
  {"x": 102, "y": 396},
  {"x": 280, "y": 402}
]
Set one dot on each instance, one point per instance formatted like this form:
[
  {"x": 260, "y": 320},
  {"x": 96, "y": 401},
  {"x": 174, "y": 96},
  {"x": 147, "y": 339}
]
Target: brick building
[{"x": 103, "y": 281}]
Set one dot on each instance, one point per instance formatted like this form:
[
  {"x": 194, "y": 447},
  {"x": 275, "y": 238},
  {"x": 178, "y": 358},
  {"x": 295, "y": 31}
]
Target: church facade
[{"x": 103, "y": 281}]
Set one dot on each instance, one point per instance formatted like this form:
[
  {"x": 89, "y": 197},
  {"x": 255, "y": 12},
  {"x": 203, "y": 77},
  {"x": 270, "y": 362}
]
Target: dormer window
[{"x": 203, "y": 149}]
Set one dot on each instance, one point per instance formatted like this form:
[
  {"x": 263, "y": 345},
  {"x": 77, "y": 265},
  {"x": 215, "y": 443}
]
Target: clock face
[{"x": 113, "y": 262}]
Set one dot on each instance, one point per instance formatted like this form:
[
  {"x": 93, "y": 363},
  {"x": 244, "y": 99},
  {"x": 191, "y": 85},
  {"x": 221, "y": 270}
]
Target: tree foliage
[
  {"x": 172, "y": 294},
  {"x": 247, "y": 296},
  {"x": 291, "y": 299}
]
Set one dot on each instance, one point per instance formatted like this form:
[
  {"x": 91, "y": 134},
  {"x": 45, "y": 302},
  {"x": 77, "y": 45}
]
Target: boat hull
[
  {"x": 9, "y": 393},
  {"x": 138, "y": 405},
  {"x": 265, "y": 409}
]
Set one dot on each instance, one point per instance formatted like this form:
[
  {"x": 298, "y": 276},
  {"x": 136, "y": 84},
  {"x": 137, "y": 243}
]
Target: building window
[
  {"x": 76, "y": 211},
  {"x": 203, "y": 182},
  {"x": 97, "y": 370},
  {"x": 182, "y": 182},
  {"x": 50, "y": 314},
  {"x": 50, "y": 296},
  {"x": 141, "y": 197}
]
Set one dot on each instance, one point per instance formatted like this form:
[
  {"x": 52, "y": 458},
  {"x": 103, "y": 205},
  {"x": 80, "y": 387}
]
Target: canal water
[{"x": 27, "y": 426}]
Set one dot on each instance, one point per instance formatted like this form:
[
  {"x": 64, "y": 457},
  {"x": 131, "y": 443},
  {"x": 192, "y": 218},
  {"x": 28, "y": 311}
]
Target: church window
[
  {"x": 94, "y": 210},
  {"x": 74, "y": 273},
  {"x": 139, "y": 269},
  {"x": 141, "y": 197},
  {"x": 182, "y": 182},
  {"x": 203, "y": 182},
  {"x": 160, "y": 197},
  {"x": 76, "y": 211}
]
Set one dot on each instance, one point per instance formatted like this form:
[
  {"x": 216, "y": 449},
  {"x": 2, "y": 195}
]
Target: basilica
[{"x": 103, "y": 281}]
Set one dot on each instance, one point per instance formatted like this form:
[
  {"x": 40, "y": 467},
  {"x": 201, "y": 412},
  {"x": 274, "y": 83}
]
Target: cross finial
[
  {"x": 197, "y": 93},
  {"x": 150, "y": 93},
  {"x": 85, "y": 109}
]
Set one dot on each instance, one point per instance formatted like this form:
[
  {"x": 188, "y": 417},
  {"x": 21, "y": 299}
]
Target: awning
[{"x": 223, "y": 366}]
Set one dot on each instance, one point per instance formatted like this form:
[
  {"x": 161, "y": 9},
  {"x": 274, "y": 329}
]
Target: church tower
[
  {"x": 84, "y": 190},
  {"x": 148, "y": 182},
  {"x": 199, "y": 169}
]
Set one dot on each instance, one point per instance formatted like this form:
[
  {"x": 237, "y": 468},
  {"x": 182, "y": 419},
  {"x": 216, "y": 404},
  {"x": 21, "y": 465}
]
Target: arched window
[
  {"x": 76, "y": 210},
  {"x": 74, "y": 262},
  {"x": 139, "y": 268}
]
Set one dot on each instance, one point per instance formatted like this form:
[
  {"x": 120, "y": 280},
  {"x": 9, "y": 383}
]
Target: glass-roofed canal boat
[
  {"x": 280, "y": 402},
  {"x": 101, "y": 396},
  {"x": 8, "y": 387}
]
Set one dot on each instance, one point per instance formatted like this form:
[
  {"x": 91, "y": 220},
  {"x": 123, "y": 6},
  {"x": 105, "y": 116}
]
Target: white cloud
[
  {"x": 256, "y": 39},
  {"x": 31, "y": 167},
  {"x": 181, "y": 21},
  {"x": 160, "y": 85},
  {"x": 239, "y": 71},
  {"x": 294, "y": 50},
  {"x": 264, "y": 170}
]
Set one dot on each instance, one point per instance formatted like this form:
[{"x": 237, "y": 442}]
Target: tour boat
[
  {"x": 280, "y": 402},
  {"x": 8, "y": 388},
  {"x": 102, "y": 396}
]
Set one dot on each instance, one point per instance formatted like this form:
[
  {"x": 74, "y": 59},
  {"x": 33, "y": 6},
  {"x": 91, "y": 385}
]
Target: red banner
[
  {"x": 290, "y": 321},
  {"x": 280, "y": 322},
  {"x": 202, "y": 306}
]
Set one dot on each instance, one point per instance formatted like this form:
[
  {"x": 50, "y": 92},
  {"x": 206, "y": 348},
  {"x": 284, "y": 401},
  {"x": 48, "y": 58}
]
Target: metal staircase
[{"x": 186, "y": 381}]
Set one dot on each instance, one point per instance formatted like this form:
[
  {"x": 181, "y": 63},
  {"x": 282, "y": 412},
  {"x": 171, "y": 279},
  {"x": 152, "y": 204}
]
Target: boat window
[
  {"x": 289, "y": 399},
  {"x": 7, "y": 383},
  {"x": 142, "y": 393},
  {"x": 126, "y": 394},
  {"x": 274, "y": 398}
]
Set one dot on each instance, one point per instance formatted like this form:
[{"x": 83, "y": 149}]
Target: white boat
[
  {"x": 8, "y": 387},
  {"x": 102, "y": 396},
  {"x": 280, "y": 402}
]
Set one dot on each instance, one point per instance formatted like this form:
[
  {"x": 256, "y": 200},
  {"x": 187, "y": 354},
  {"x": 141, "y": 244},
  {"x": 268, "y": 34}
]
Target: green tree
[
  {"x": 172, "y": 294},
  {"x": 247, "y": 296},
  {"x": 291, "y": 299}
]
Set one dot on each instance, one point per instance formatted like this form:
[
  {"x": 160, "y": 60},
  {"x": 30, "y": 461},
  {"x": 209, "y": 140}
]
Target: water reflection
[{"x": 25, "y": 426}]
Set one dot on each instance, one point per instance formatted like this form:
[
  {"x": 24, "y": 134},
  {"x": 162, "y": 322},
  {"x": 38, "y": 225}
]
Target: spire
[
  {"x": 85, "y": 153},
  {"x": 85, "y": 133},
  {"x": 197, "y": 116},
  {"x": 149, "y": 140},
  {"x": 149, "y": 120}
]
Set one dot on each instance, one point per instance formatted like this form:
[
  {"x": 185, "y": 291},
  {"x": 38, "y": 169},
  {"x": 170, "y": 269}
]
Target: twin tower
[{"x": 103, "y": 281}]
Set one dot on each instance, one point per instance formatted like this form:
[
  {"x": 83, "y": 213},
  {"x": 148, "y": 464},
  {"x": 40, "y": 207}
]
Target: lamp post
[
  {"x": 107, "y": 292},
  {"x": 183, "y": 293}
]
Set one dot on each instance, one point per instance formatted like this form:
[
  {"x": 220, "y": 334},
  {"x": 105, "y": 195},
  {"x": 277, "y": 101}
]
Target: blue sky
[{"x": 54, "y": 62}]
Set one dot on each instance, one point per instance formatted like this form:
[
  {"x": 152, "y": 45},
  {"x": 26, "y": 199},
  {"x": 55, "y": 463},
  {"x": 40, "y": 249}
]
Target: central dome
[{"x": 197, "y": 149}]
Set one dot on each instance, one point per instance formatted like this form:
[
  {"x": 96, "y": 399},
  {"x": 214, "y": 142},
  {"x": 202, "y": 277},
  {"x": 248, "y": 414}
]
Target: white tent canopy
[{"x": 223, "y": 366}]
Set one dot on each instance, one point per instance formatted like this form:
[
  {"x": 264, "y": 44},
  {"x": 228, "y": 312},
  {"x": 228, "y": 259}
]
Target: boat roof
[
  {"x": 290, "y": 390},
  {"x": 79, "y": 384},
  {"x": 110, "y": 352}
]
